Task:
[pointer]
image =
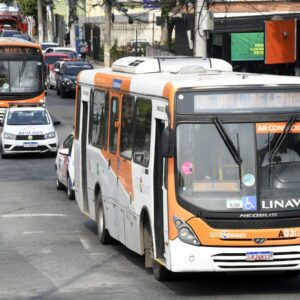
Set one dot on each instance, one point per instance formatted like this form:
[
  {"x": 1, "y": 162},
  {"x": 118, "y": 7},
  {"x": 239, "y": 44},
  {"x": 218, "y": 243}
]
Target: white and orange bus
[
  {"x": 190, "y": 164},
  {"x": 21, "y": 72}
]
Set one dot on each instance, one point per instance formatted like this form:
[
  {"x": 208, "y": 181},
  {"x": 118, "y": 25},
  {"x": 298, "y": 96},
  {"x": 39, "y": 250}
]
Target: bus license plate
[
  {"x": 30, "y": 144},
  {"x": 259, "y": 256}
]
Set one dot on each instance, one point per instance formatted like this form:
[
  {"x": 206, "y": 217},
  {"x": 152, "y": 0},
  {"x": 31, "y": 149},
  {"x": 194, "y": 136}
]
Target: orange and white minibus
[
  {"x": 21, "y": 72},
  {"x": 190, "y": 164}
]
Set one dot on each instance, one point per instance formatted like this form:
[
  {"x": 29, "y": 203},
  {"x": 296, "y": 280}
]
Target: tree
[{"x": 28, "y": 7}]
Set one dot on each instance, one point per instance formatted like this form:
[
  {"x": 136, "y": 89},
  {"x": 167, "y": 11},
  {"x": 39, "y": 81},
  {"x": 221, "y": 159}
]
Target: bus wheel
[
  {"x": 159, "y": 271},
  {"x": 103, "y": 233},
  {"x": 70, "y": 191}
]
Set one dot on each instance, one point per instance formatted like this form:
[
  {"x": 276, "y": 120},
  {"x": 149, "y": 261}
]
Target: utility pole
[
  {"x": 107, "y": 33},
  {"x": 40, "y": 21},
  {"x": 201, "y": 22}
]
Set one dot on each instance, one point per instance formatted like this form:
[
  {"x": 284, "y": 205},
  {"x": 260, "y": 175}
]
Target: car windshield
[
  {"x": 74, "y": 70},
  {"x": 21, "y": 76},
  {"x": 53, "y": 59},
  {"x": 45, "y": 46},
  {"x": 9, "y": 33},
  {"x": 28, "y": 117},
  {"x": 210, "y": 178}
]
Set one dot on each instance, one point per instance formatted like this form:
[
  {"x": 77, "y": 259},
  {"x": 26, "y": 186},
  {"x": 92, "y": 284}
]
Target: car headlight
[
  {"x": 50, "y": 135},
  {"x": 67, "y": 82},
  {"x": 9, "y": 136},
  {"x": 185, "y": 232}
]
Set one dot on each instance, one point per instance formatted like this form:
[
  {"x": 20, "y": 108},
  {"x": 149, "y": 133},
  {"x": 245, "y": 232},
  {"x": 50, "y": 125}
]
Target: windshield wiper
[
  {"x": 281, "y": 138},
  {"x": 228, "y": 141},
  {"x": 23, "y": 66},
  {"x": 234, "y": 151}
]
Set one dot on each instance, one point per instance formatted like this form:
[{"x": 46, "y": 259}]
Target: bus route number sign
[{"x": 259, "y": 256}]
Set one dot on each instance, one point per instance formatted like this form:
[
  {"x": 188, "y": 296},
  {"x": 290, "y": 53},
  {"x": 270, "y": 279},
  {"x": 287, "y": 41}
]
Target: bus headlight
[
  {"x": 50, "y": 135},
  {"x": 9, "y": 136},
  {"x": 185, "y": 232}
]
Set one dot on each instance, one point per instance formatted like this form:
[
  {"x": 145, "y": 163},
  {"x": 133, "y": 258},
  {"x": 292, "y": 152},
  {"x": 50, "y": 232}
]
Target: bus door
[
  {"x": 116, "y": 214},
  {"x": 85, "y": 97},
  {"x": 147, "y": 164},
  {"x": 160, "y": 120}
]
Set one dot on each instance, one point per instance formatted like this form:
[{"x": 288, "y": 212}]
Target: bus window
[
  {"x": 127, "y": 126},
  {"x": 142, "y": 131},
  {"x": 98, "y": 122},
  {"x": 114, "y": 115}
]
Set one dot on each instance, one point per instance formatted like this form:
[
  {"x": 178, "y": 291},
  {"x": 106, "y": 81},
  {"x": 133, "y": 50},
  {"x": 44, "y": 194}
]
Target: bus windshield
[
  {"x": 210, "y": 178},
  {"x": 21, "y": 76}
]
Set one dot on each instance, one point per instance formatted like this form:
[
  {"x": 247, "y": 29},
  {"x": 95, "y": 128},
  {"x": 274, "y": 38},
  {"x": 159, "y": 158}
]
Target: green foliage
[{"x": 29, "y": 7}]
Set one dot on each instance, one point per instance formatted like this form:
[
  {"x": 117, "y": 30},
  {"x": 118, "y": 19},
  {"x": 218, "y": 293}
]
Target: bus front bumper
[{"x": 189, "y": 258}]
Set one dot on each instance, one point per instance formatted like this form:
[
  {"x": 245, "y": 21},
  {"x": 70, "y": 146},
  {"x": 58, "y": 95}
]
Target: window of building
[
  {"x": 98, "y": 120},
  {"x": 142, "y": 135},
  {"x": 114, "y": 116},
  {"x": 127, "y": 126}
]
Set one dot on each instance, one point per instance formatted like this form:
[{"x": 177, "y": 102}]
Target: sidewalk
[{"x": 96, "y": 63}]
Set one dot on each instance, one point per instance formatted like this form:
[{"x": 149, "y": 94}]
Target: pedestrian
[{"x": 83, "y": 48}]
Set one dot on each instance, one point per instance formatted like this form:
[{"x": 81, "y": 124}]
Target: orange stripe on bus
[
  {"x": 106, "y": 81},
  {"x": 243, "y": 237},
  {"x": 32, "y": 100}
]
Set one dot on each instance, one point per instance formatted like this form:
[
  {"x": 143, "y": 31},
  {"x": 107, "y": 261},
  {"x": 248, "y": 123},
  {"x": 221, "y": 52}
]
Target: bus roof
[
  {"x": 192, "y": 77},
  {"x": 16, "y": 42}
]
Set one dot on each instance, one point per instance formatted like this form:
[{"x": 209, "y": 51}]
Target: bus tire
[
  {"x": 159, "y": 271},
  {"x": 70, "y": 191},
  {"x": 103, "y": 234}
]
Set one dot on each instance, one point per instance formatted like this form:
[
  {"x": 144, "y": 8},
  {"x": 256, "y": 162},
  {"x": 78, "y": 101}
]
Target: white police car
[
  {"x": 64, "y": 166},
  {"x": 28, "y": 129}
]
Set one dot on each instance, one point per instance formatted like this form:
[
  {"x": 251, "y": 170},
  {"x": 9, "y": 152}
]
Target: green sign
[{"x": 247, "y": 46}]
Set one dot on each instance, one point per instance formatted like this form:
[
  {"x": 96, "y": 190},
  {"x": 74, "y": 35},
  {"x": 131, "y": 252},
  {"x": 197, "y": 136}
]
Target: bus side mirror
[
  {"x": 1, "y": 123},
  {"x": 168, "y": 142}
]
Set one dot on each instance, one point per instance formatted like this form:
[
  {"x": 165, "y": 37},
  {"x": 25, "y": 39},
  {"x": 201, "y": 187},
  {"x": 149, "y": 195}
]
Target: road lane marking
[
  {"x": 31, "y": 215},
  {"x": 85, "y": 243},
  {"x": 33, "y": 232}
]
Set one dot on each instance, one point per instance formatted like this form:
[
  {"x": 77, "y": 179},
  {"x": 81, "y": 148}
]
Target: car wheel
[
  {"x": 57, "y": 90},
  {"x": 62, "y": 93},
  {"x": 70, "y": 191},
  {"x": 59, "y": 185},
  {"x": 3, "y": 155}
]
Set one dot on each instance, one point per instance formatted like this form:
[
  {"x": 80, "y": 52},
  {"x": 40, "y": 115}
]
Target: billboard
[{"x": 247, "y": 46}]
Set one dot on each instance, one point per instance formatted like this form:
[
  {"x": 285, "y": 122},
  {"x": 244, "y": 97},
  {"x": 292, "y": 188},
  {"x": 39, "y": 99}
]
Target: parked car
[
  {"x": 46, "y": 45},
  {"x": 66, "y": 79},
  {"x": 54, "y": 69},
  {"x": 28, "y": 129},
  {"x": 64, "y": 166},
  {"x": 69, "y": 51}
]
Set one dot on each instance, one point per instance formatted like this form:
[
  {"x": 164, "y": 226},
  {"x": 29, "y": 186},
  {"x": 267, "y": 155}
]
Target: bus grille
[
  {"x": 253, "y": 223},
  {"x": 238, "y": 261}
]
